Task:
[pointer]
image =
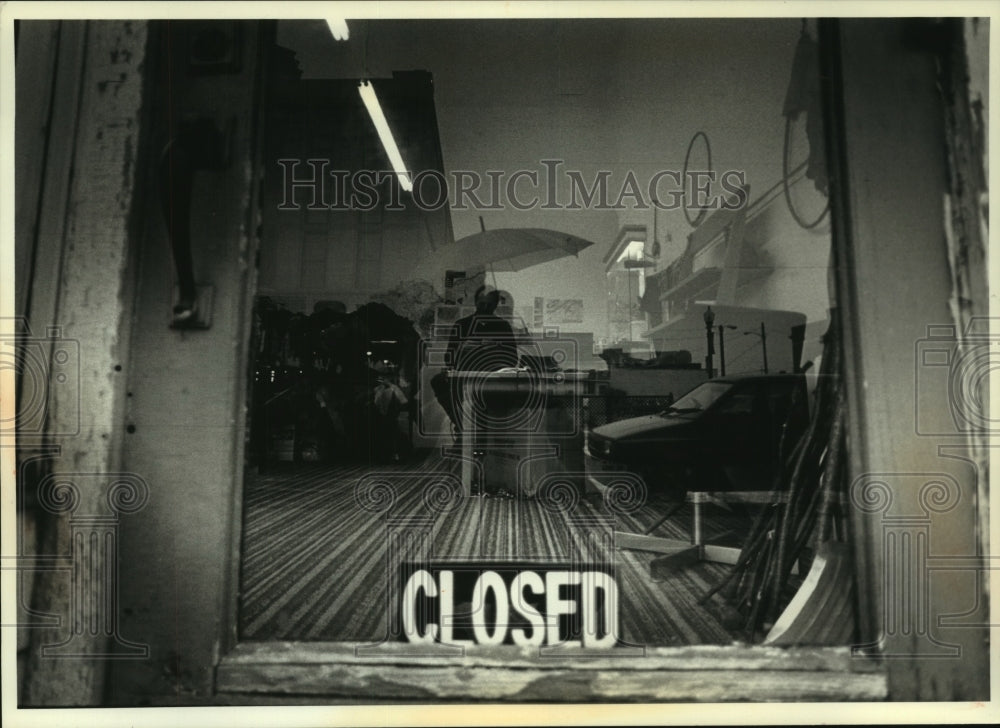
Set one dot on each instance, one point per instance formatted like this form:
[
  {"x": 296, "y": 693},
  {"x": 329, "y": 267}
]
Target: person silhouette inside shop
[{"x": 479, "y": 342}]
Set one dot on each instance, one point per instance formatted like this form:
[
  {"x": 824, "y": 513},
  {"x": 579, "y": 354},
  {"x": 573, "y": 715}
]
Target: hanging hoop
[
  {"x": 696, "y": 221},
  {"x": 785, "y": 174}
]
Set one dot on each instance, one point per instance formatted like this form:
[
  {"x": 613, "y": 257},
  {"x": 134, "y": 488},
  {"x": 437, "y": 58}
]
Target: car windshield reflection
[{"x": 698, "y": 399}]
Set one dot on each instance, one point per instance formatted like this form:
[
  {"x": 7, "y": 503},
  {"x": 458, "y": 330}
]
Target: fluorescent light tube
[
  {"x": 367, "y": 92},
  {"x": 338, "y": 28}
]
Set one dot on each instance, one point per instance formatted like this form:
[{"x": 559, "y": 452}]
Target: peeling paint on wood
[
  {"x": 735, "y": 657},
  {"x": 700, "y": 674},
  {"x": 88, "y": 289},
  {"x": 569, "y": 683}
]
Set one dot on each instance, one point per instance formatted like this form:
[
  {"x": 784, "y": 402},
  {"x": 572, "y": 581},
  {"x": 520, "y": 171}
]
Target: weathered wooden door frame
[{"x": 914, "y": 497}]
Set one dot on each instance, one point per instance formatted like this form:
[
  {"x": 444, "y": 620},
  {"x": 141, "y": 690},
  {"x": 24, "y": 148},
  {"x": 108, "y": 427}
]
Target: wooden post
[
  {"x": 886, "y": 140},
  {"x": 87, "y": 236}
]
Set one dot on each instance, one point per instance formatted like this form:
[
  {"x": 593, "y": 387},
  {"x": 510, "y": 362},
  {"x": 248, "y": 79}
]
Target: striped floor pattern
[{"x": 315, "y": 553}]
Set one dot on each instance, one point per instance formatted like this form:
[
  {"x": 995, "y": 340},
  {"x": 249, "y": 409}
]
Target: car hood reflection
[{"x": 637, "y": 426}]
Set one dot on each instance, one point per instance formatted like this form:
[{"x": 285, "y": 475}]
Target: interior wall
[
  {"x": 794, "y": 265},
  {"x": 599, "y": 95}
]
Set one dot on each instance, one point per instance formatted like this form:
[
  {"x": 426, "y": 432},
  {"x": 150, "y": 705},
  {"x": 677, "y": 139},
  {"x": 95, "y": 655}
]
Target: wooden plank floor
[{"x": 314, "y": 557}]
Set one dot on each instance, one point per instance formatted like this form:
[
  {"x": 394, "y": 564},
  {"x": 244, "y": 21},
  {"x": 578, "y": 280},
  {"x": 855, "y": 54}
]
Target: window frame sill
[{"x": 510, "y": 674}]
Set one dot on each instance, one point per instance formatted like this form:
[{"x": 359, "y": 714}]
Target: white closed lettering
[
  {"x": 589, "y": 612},
  {"x": 421, "y": 580}
]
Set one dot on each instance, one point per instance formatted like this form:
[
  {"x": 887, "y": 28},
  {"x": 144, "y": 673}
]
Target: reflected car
[{"x": 723, "y": 435}]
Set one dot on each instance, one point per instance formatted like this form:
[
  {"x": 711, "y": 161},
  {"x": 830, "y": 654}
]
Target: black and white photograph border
[{"x": 542, "y": 363}]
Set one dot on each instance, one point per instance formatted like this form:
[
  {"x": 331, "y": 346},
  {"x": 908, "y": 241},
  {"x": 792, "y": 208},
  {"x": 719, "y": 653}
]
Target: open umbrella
[{"x": 505, "y": 249}]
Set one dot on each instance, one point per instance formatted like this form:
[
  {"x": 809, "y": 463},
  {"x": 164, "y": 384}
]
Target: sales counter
[{"x": 521, "y": 428}]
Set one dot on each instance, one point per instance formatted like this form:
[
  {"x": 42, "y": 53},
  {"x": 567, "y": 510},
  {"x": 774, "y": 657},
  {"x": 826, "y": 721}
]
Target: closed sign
[{"x": 527, "y": 604}]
